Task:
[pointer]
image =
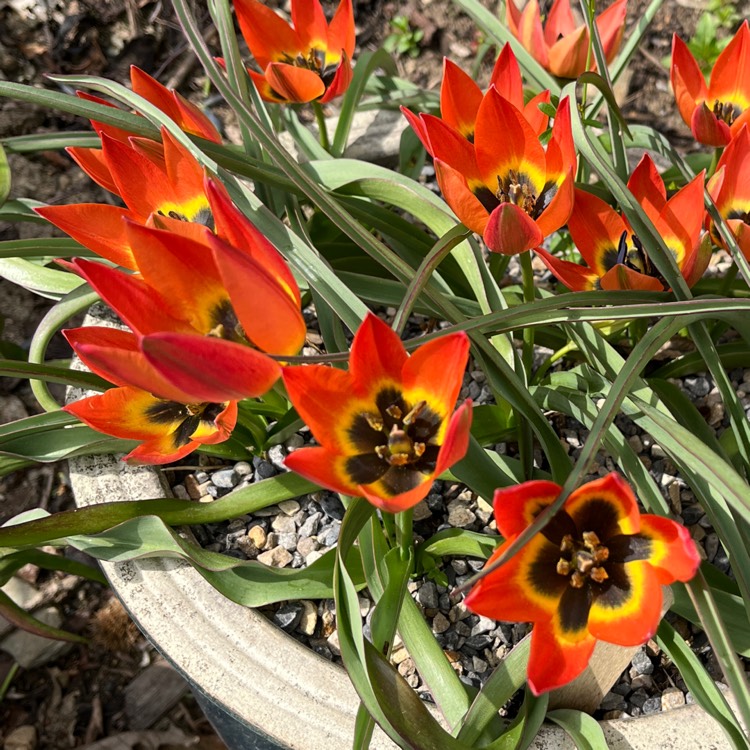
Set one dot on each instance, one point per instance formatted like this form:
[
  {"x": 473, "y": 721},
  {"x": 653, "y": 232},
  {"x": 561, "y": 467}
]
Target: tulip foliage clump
[{"x": 562, "y": 258}]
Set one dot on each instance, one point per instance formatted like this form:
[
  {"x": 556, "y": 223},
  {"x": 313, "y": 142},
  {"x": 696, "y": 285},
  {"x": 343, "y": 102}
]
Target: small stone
[
  {"x": 287, "y": 616},
  {"x": 331, "y": 536},
  {"x": 332, "y": 505},
  {"x": 652, "y": 705},
  {"x": 711, "y": 545},
  {"x": 616, "y": 714},
  {"x": 193, "y": 487},
  {"x": 289, "y": 507},
  {"x": 284, "y": 525},
  {"x": 306, "y": 545},
  {"x": 691, "y": 514},
  {"x": 399, "y": 655},
  {"x": 311, "y": 525},
  {"x": 308, "y": 617},
  {"x": 180, "y": 492},
  {"x": 313, "y": 557},
  {"x": 459, "y": 515},
  {"x": 268, "y": 511},
  {"x": 257, "y": 536},
  {"x": 288, "y": 541},
  {"x": 613, "y": 702},
  {"x": 635, "y": 443},
  {"x": 278, "y": 557},
  {"x": 641, "y": 663},
  {"x": 328, "y": 623},
  {"x": 638, "y": 697},
  {"x": 427, "y": 595},
  {"x": 422, "y": 511},
  {"x": 264, "y": 470},
  {"x": 644, "y": 681},
  {"x": 440, "y": 623},
  {"x": 483, "y": 625},
  {"x": 226, "y": 478},
  {"x": 460, "y": 566},
  {"x": 276, "y": 455},
  {"x": 333, "y": 643},
  {"x": 294, "y": 441},
  {"x": 479, "y": 642},
  {"x": 407, "y": 667},
  {"x": 479, "y": 665},
  {"x": 243, "y": 469},
  {"x": 672, "y": 698}
]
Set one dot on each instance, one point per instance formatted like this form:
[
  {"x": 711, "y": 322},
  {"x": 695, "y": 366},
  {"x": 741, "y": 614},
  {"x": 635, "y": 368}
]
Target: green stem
[
  {"x": 8, "y": 679},
  {"x": 571, "y": 346},
  {"x": 729, "y": 279},
  {"x": 714, "y": 161},
  {"x": 404, "y": 532},
  {"x": 320, "y": 118},
  {"x": 529, "y": 294}
]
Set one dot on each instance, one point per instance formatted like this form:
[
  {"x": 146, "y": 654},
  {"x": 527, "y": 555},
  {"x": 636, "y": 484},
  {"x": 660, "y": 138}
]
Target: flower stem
[
  {"x": 404, "y": 532},
  {"x": 529, "y": 294},
  {"x": 729, "y": 279},
  {"x": 571, "y": 346},
  {"x": 320, "y": 118}
]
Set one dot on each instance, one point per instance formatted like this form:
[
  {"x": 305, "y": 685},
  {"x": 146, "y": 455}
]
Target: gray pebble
[
  {"x": 243, "y": 469},
  {"x": 652, "y": 705},
  {"x": 287, "y": 617},
  {"x": 311, "y": 525},
  {"x": 264, "y": 470},
  {"x": 276, "y": 455},
  {"x": 641, "y": 663},
  {"x": 332, "y": 506},
  {"x": 427, "y": 595},
  {"x": 226, "y": 478}
]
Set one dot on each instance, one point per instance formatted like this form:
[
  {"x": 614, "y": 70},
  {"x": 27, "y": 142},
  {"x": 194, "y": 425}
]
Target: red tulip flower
[
  {"x": 490, "y": 164},
  {"x": 594, "y": 572},
  {"x": 615, "y": 255},
  {"x": 168, "y": 422},
  {"x": 561, "y": 46},
  {"x": 385, "y": 427},
  {"x": 307, "y": 61},
  {"x": 730, "y": 190},
  {"x": 717, "y": 111},
  {"x": 168, "y": 182}
]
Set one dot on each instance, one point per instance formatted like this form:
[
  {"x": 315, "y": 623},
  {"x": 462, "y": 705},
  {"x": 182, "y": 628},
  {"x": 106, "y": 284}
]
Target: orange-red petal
[
  {"x": 510, "y": 230},
  {"x": 377, "y": 355},
  {"x": 294, "y": 84},
  {"x": 674, "y": 556}
]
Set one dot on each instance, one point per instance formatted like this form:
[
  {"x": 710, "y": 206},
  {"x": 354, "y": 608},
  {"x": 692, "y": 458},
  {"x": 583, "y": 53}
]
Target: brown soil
[{"x": 80, "y": 698}]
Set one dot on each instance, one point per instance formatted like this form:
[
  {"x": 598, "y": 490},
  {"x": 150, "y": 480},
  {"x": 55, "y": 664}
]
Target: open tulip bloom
[
  {"x": 594, "y": 572},
  {"x": 502, "y": 184},
  {"x": 166, "y": 181},
  {"x": 386, "y": 427},
  {"x": 615, "y": 257},
  {"x": 717, "y": 111},
  {"x": 307, "y": 61},
  {"x": 560, "y": 44}
]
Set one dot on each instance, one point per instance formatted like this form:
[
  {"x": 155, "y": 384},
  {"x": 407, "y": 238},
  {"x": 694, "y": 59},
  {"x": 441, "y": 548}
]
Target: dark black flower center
[
  {"x": 583, "y": 558},
  {"x": 226, "y": 325},
  {"x": 396, "y": 443},
  {"x": 187, "y": 416},
  {"x": 726, "y": 111},
  {"x": 636, "y": 258}
]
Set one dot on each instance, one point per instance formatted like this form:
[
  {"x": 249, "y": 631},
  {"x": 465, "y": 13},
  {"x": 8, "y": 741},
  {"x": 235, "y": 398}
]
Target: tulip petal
[
  {"x": 622, "y": 277},
  {"x": 607, "y": 506},
  {"x": 595, "y": 228},
  {"x": 341, "y": 31},
  {"x": 321, "y": 466},
  {"x": 688, "y": 82},
  {"x": 460, "y": 98},
  {"x": 611, "y": 25},
  {"x": 213, "y": 369},
  {"x": 377, "y": 355},
  {"x": 554, "y": 660},
  {"x": 97, "y": 226},
  {"x": 559, "y": 209},
  {"x": 516, "y": 507},
  {"x": 92, "y": 162},
  {"x": 708, "y": 129},
  {"x": 730, "y": 75},
  {"x": 682, "y": 218},
  {"x": 458, "y": 195},
  {"x": 269, "y": 318},
  {"x": 560, "y": 22},
  {"x": 647, "y": 186},
  {"x": 309, "y": 22},
  {"x": 577, "y": 278},
  {"x": 268, "y": 36},
  {"x": 506, "y": 77},
  {"x": 629, "y": 610},
  {"x": 434, "y": 372},
  {"x": 504, "y": 141},
  {"x": 455, "y": 442},
  {"x": 568, "y": 56},
  {"x": 510, "y": 231},
  {"x": 674, "y": 556},
  {"x": 314, "y": 390},
  {"x": 233, "y": 226},
  {"x": 294, "y": 84},
  {"x": 341, "y": 80}
]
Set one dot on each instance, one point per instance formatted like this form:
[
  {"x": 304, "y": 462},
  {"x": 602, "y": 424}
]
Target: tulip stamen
[
  {"x": 726, "y": 111},
  {"x": 582, "y": 559}
]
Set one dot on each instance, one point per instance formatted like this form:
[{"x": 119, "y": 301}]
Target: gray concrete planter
[{"x": 261, "y": 688}]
